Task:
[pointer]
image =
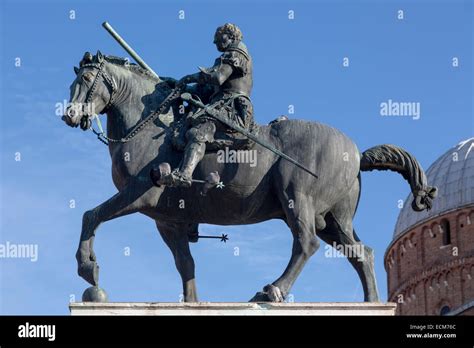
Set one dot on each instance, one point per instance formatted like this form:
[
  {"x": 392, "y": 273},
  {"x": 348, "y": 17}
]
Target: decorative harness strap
[
  {"x": 107, "y": 78},
  {"x": 175, "y": 93}
]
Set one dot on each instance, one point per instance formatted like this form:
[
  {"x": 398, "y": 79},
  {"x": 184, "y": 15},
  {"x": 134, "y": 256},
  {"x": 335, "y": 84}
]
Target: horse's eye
[{"x": 87, "y": 77}]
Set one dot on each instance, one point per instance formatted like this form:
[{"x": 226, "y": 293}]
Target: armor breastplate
[{"x": 241, "y": 79}]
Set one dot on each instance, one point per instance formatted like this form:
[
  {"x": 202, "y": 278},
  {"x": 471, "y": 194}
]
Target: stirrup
[
  {"x": 179, "y": 179},
  {"x": 164, "y": 176}
]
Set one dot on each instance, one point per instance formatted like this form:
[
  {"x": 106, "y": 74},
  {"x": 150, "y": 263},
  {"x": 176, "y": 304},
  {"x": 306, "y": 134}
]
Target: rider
[{"x": 231, "y": 80}]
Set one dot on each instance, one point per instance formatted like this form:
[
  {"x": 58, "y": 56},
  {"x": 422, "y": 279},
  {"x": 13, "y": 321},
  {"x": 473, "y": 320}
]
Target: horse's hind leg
[
  {"x": 339, "y": 232},
  {"x": 300, "y": 219},
  {"x": 176, "y": 236}
]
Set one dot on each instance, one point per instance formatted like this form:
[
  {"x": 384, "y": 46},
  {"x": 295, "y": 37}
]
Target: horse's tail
[{"x": 391, "y": 157}]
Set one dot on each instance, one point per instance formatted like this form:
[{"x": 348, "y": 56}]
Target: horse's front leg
[{"x": 130, "y": 200}]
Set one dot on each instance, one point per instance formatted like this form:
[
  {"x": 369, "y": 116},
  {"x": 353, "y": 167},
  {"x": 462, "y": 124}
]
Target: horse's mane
[
  {"x": 119, "y": 61},
  {"x": 124, "y": 62}
]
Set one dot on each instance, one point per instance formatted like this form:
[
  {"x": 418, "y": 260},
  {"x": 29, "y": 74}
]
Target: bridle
[
  {"x": 107, "y": 79},
  {"x": 175, "y": 93}
]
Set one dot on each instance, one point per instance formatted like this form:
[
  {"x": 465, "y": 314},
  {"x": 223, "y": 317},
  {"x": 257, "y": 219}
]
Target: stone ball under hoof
[{"x": 94, "y": 294}]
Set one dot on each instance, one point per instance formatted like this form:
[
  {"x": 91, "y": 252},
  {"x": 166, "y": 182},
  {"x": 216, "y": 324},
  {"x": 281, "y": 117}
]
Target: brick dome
[{"x": 430, "y": 261}]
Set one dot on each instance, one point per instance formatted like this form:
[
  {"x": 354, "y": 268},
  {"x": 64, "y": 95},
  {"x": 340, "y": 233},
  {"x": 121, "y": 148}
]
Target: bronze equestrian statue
[{"x": 143, "y": 114}]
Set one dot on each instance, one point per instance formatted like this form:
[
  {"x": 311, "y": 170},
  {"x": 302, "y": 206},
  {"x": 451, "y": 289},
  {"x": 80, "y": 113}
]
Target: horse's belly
[
  {"x": 326, "y": 152},
  {"x": 241, "y": 200},
  {"x": 235, "y": 210}
]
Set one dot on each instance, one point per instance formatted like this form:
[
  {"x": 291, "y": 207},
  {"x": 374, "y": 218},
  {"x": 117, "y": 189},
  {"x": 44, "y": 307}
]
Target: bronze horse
[{"x": 274, "y": 189}]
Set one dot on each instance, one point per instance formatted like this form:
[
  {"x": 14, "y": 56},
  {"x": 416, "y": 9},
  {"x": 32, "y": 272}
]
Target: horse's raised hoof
[
  {"x": 270, "y": 293},
  {"x": 94, "y": 294},
  {"x": 89, "y": 271}
]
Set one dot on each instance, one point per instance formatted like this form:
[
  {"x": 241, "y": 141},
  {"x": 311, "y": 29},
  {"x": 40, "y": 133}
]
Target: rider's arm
[
  {"x": 225, "y": 65},
  {"x": 216, "y": 75}
]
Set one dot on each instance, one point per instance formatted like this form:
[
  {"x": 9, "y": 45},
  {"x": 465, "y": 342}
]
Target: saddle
[{"x": 222, "y": 139}]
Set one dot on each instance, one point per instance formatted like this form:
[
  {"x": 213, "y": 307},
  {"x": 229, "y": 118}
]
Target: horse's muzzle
[
  {"x": 74, "y": 118},
  {"x": 71, "y": 117},
  {"x": 68, "y": 120}
]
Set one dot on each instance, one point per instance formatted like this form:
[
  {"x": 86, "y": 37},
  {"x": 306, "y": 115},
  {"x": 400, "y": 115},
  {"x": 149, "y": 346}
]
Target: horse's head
[{"x": 92, "y": 91}]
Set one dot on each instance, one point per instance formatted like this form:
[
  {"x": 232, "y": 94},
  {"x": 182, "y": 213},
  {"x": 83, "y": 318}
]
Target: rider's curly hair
[{"x": 230, "y": 29}]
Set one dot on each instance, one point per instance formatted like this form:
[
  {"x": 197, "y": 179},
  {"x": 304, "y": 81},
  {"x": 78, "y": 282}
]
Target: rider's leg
[
  {"x": 193, "y": 154},
  {"x": 195, "y": 149},
  {"x": 244, "y": 112}
]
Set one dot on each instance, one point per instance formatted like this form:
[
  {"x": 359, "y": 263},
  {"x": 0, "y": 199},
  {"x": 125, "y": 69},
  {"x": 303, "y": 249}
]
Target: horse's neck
[{"x": 134, "y": 99}]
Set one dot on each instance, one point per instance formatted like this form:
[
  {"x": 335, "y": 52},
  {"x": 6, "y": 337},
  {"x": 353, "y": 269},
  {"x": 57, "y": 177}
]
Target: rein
[{"x": 175, "y": 93}]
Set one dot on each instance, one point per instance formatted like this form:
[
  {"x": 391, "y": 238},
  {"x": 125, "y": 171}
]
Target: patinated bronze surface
[{"x": 142, "y": 111}]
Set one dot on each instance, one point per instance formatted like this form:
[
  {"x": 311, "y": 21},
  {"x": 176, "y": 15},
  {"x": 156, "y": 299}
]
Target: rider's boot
[{"x": 193, "y": 154}]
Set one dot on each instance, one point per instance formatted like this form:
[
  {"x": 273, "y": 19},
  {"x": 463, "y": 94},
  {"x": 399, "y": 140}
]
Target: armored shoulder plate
[{"x": 237, "y": 57}]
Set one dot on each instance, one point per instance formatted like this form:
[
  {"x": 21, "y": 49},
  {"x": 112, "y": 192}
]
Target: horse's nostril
[
  {"x": 67, "y": 120},
  {"x": 71, "y": 112}
]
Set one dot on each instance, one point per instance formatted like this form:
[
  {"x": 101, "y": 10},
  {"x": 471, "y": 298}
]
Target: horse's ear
[
  {"x": 76, "y": 70},
  {"x": 100, "y": 57},
  {"x": 86, "y": 59}
]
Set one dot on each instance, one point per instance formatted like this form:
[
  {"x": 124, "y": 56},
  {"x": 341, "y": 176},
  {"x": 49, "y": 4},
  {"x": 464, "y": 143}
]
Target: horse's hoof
[
  {"x": 270, "y": 293},
  {"x": 94, "y": 294},
  {"x": 89, "y": 271},
  {"x": 260, "y": 297}
]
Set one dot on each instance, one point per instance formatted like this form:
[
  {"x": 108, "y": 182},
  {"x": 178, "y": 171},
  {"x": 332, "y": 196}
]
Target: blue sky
[{"x": 296, "y": 62}]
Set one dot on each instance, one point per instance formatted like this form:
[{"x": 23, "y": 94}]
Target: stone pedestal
[{"x": 236, "y": 308}]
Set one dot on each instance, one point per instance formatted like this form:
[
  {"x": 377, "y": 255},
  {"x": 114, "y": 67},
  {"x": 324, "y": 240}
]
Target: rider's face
[{"x": 222, "y": 42}]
